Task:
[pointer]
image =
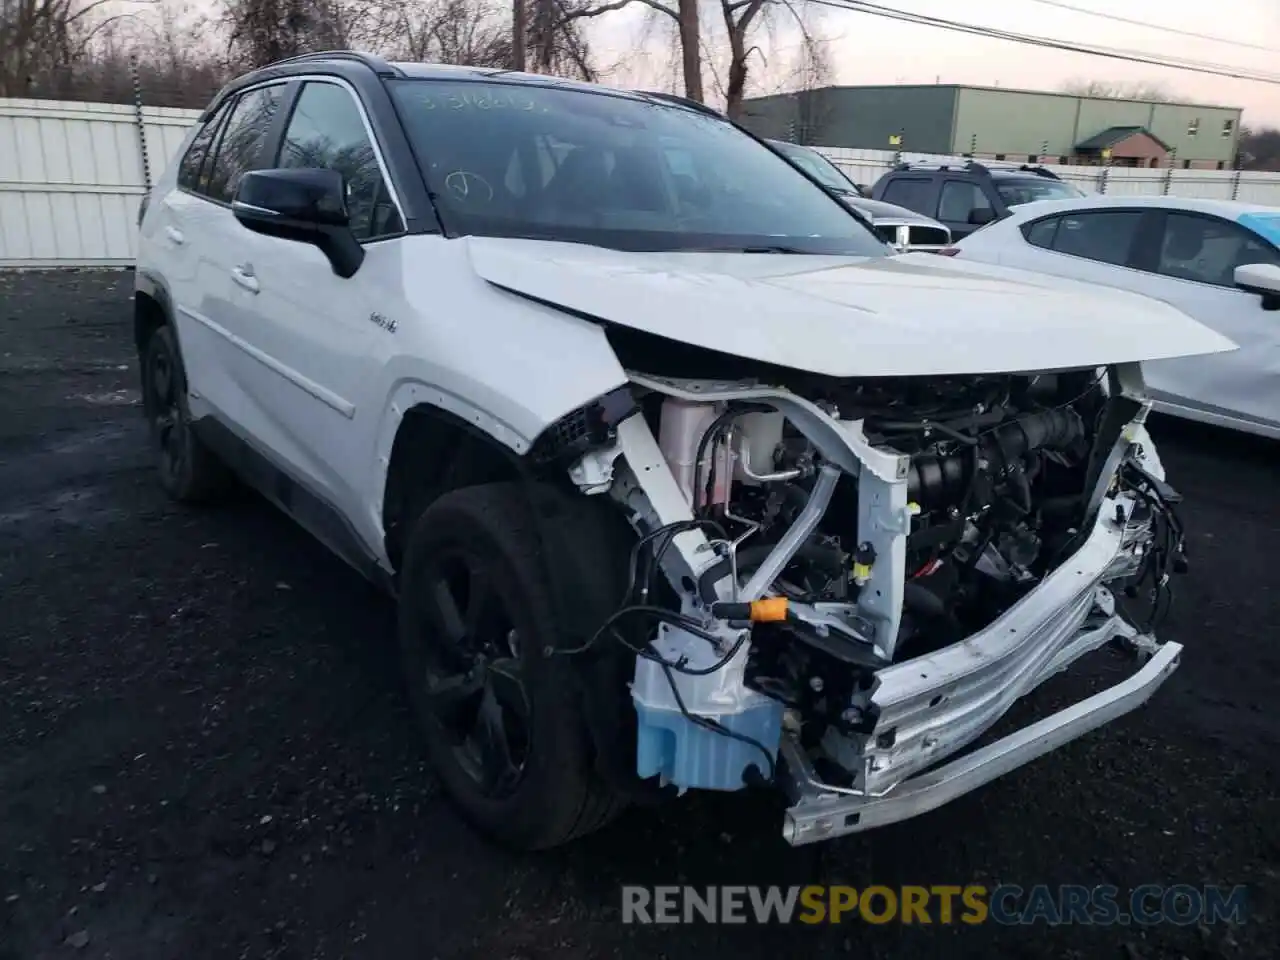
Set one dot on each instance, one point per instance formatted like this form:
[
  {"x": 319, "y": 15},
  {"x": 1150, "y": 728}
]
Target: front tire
[
  {"x": 188, "y": 470},
  {"x": 501, "y": 720}
]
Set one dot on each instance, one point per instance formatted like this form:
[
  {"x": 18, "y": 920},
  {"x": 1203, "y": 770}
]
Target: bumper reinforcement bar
[{"x": 822, "y": 811}]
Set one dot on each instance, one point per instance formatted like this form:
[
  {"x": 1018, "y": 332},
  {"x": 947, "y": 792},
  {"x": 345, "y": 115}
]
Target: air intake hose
[{"x": 939, "y": 481}]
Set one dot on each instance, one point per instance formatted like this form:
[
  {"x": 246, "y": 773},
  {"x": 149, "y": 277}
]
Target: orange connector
[{"x": 769, "y": 610}]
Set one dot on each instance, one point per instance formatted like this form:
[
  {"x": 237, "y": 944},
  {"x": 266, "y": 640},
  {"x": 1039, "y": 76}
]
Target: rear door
[
  {"x": 244, "y": 142},
  {"x": 1097, "y": 245},
  {"x": 172, "y": 244},
  {"x": 915, "y": 193}
]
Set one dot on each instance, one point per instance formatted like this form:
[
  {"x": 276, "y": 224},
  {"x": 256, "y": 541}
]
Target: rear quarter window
[{"x": 1041, "y": 233}]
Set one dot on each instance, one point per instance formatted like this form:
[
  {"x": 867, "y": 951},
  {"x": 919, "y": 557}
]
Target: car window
[
  {"x": 1103, "y": 236},
  {"x": 193, "y": 160},
  {"x": 241, "y": 142},
  {"x": 560, "y": 163},
  {"x": 817, "y": 166},
  {"x": 1041, "y": 233},
  {"x": 1015, "y": 191},
  {"x": 327, "y": 130},
  {"x": 914, "y": 193},
  {"x": 959, "y": 199},
  {"x": 1208, "y": 250}
]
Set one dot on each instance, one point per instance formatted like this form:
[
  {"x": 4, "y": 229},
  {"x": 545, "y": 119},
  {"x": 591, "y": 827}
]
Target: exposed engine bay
[{"x": 858, "y": 578}]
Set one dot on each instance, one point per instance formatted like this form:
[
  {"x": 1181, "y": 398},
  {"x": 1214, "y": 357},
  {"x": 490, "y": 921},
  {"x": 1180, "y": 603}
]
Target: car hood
[
  {"x": 911, "y": 315},
  {"x": 879, "y": 210}
]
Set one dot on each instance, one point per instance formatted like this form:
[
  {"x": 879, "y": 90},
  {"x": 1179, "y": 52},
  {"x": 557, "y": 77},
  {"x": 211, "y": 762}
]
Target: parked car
[
  {"x": 677, "y": 477},
  {"x": 903, "y": 229},
  {"x": 1216, "y": 260},
  {"x": 966, "y": 195}
]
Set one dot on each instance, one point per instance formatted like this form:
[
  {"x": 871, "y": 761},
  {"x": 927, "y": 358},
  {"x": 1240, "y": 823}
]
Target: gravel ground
[{"x": 205, "y": 750}]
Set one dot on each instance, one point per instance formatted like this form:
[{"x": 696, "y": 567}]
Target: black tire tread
[
  {"x": 583, "y": 802},
  {"x": 207, "y": 479}
]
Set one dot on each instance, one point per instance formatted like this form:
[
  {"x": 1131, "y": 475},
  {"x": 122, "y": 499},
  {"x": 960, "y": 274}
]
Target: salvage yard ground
[{"x": 205, "y": 750}]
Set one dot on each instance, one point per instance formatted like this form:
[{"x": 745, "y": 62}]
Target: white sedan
[{"x": 1217, "y": 260}]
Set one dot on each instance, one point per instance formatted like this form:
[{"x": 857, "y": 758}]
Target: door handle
[
  {"x": 244, "y": 276},
  {"x": 175, "y": 236}
]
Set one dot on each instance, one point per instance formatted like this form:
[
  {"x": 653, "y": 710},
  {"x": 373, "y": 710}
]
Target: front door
[
  {"x": 309, "y": 336},
  {"x": 1193, "y": 267},
  {"x": 963, "y": 207}
]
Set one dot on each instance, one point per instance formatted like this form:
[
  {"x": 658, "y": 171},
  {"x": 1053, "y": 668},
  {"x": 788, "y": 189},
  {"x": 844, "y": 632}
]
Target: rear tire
[
  {"x": 189, "y": 471},
  {"x": 502, "y": 721}
]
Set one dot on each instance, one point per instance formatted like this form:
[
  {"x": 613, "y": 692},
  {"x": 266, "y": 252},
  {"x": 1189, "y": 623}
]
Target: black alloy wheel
[
  {"x": 165, "y": 411},
  {"x": 470, "y": 672}
]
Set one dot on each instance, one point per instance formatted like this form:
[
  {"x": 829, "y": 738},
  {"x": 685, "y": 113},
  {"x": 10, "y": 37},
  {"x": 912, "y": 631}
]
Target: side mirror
[
  {"x": 981, "y": 216},
  {"x": 1262, "y": 279},
  {"x": 305, "y": 205}
]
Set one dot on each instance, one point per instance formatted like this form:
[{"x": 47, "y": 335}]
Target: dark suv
[{"x": 967, "y": 195}]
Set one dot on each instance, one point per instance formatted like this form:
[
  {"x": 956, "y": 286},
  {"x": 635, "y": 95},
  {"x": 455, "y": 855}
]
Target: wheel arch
[
  {"x": 432, "y": 450},
  {"x": 152, "y": 309}
]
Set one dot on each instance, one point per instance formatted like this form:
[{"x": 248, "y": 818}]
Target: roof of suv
[{"x": 345, "y": 60}]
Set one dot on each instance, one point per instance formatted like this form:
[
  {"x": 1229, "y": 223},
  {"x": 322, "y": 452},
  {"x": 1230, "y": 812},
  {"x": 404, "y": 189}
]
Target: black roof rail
[
  {"x": 682, "y": 102},
  {"x": 381, "y": 67},
  {"x": 1039, "y": 170},
  {"x": 969, "y": 166}
]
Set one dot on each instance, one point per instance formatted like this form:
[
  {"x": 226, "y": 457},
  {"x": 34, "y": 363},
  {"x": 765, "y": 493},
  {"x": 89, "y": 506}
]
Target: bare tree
[
  {"x": 40, "y": 40},
  {"x": 813, "y": 76},
  {"x": 263, "y": 31},
  {"x": 684, "y": 14},
  {"x": 1119, "y": 90},
  {"x": 1259, "y": 148}
]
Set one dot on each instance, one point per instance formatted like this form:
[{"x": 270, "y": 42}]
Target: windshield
[
  {"x": 519, "y": 160},
  {"x": 817, "y": 166},
  {"x": 1018, "y": 190}
]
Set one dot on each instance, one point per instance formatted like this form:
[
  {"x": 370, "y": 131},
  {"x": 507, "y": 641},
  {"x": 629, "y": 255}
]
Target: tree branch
[{"x": 590, "y": 12}]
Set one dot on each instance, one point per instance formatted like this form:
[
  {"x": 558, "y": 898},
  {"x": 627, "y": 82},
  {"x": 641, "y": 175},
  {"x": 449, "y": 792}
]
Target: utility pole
[{"x": 518, "y": 30}]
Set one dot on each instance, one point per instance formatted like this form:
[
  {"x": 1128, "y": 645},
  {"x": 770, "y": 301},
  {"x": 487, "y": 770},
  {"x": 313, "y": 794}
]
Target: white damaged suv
[{"x": 679, "y": 480}]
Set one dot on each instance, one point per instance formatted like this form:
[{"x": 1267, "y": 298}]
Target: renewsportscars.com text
[{"x": 1007, "y": 904}]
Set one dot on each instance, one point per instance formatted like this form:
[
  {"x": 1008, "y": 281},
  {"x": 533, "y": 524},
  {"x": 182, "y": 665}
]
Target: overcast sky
[{"x": 873, "y": 50}]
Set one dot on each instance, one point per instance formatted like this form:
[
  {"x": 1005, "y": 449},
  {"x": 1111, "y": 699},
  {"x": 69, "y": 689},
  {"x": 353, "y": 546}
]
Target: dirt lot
[{"x": 205, "y": 751}]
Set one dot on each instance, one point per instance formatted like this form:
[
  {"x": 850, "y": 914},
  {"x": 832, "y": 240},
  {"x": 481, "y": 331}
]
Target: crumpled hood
[{"x": 910, "y": 315}]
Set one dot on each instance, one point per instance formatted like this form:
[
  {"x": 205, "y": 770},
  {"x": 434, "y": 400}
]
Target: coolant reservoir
[
  {"x": 760, "y": 434},
  {"x": 680, "y": 429}
]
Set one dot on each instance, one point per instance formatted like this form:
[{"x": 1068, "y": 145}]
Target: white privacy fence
[{"x": 72, "y": 175}]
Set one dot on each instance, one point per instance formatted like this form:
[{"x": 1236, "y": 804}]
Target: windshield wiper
[{"x": 767, "y": 248}]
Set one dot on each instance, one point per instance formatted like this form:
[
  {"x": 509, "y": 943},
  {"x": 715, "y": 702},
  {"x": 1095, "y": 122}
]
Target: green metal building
[{"x": 994, "y": 121}]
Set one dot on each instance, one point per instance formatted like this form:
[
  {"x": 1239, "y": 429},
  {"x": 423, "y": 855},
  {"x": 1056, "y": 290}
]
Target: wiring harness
[{"x": 634, "y": 609}]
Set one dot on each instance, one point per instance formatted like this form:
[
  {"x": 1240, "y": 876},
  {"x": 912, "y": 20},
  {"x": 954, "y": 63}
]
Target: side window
[
  {"x": 243, "y": 137},
  {"x": 1041, "y": 232},
  {"x": 914, "y": 193},
  {"x": 959, "y": 199},
  {"x": 193, "y": 159},
  {"x": 1208, "y": 250},
  {"x": 1103, "y": 236},
  {"x": 327, "y": 130}
]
